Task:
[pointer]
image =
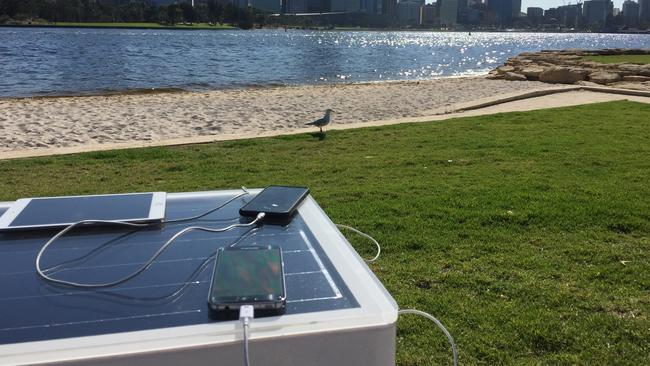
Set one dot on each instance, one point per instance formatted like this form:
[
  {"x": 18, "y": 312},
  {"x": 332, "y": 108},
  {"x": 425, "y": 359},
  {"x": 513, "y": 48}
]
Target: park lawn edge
[{"x": 526, "y": 233}]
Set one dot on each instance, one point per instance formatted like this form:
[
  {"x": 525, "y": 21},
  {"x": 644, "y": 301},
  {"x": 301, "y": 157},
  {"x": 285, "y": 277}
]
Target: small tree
[
  {"x": 246, "y": 19},
  {"x": 174, "y": 14},
  {"x": 215, "y": 11},
  {"x": 189, "y": 15}
]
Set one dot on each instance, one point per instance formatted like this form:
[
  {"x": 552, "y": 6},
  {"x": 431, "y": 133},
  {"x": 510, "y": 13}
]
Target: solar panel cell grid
[{"x": 172, "y": 292}]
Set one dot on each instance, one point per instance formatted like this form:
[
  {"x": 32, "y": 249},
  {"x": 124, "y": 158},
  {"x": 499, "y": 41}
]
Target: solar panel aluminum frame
[
  {"x": 363, "y": 335},
  {"x": 156, "y": 211}
]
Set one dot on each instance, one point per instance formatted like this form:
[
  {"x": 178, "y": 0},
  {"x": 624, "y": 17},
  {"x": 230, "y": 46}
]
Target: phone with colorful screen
[{"x": 248, "y": 275}]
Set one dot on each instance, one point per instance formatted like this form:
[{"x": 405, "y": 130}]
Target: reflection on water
[{"x": 68, "y": 61}]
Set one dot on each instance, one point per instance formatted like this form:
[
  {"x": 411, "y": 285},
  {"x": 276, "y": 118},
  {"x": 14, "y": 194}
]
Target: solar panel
[{"x": 171, "y": 293}]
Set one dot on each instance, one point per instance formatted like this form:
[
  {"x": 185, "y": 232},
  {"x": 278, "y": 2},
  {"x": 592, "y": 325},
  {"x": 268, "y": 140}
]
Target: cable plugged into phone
[
  {"x": 279, "y": 203},
  {"x": 43, "y": 272},
  {"x": 246, "y": 313},
  {"x": 260, "y": 216}
]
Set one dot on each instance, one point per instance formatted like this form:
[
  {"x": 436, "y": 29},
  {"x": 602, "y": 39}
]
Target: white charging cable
[
  {"x": 450, "y": 339},
  {"x": 146, "y": 265},
  {"x": 341, "y": 226},
  {"x": 246, "y": 313}
]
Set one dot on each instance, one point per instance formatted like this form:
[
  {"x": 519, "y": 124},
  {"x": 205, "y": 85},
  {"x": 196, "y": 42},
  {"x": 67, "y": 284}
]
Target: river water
[{"x": 50, "y": 61}]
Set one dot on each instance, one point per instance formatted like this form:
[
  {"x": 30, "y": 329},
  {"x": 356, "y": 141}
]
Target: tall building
[
  {"x": 318, "y": 6},
  {"x": 448, "y": 12},
  {"x": 272, "y": 6},
  {"x": 389, "y": 7},
  {"x": 516, "y": 8},
  {"x": 345, "y": 5},
  {"x": 534, "y": 13},
  {"x": 644, "y": 11},
  {"x": 569, "y": 15},
  {"x": 294, "y": 6},
  {"x": 428, "y": 14},
  {"x": 630, "y": 12},
  {"x": 408, "y": 11},
  {"x": 597, "y": 11},
  {"x": 503, "y": 11},
  {"x": 467, "y": 12},
  {"x": 370, "y": 6}
]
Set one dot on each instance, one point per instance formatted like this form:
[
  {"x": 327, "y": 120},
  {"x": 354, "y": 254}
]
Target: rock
[
  {"x": 587, "y": 83},
  {"x": 573, "y": 51},
  {"x": 604, "y": 77},
  {"x": 592, "y": 64},
  {"x": 514, "y": 76},
  {"x": 532, "y": 72},
  {"x": 633, "y": 69},
  {"x": 562, "y": 75},
  {"x": 570, "y": 67},
  {"x": 634, "y": 86},
  {"x": 570, "y": 57},
  {"x": 636, "y": 78},
  {"x": 505, "y": 69},
  {"x": 495, "y": 76},
  {"x": 608, "y": 52}
]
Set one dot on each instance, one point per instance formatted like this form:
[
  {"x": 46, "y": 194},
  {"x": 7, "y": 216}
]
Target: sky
[{"x": 555, "y": 3}]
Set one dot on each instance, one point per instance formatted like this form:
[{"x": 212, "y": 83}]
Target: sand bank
[{"x": 42, "y": 123}]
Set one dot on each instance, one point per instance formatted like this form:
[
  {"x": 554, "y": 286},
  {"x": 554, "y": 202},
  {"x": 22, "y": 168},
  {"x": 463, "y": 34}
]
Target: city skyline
[{"x": 546, "y": 4}]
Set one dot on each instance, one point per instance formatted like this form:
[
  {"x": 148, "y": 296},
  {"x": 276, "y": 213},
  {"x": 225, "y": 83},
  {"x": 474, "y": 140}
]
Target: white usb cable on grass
[
  {"x": 341, "y": 226},
  {"x": 450, "y": 339}
]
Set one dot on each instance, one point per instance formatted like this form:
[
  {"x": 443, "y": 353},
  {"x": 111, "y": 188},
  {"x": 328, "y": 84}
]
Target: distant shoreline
[{"x": 155, "y": 26}]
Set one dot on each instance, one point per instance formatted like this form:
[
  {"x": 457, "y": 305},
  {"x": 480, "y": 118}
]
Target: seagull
[{"x": 322, "y": 121}]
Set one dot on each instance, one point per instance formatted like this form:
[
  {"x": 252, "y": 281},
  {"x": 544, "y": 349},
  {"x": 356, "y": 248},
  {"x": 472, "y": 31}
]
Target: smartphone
[
  {"x": 279, "y": 203},
  {"x": 248, "y": 275}
]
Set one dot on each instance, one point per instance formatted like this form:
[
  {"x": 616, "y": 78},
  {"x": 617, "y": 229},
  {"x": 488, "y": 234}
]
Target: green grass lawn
[
  {"x": 630, "y": 59},
  {"x": 526, "y": 234},
  {"x": 138, "y": 25}
]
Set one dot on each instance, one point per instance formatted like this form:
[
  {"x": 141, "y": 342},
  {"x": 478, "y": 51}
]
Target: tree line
[{"x": 128, "y": 11}]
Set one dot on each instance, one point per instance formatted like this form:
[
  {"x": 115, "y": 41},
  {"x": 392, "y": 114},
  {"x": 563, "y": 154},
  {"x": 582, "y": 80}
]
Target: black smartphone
[
  {"x": 279, "y": 203},
  {"x": 248, "y": 275}
]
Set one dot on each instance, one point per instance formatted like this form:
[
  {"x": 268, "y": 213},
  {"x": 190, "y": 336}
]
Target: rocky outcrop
[
  {"x": 571, "y": 67},
  {"x": 532, "y": 72},
  {"x": 605, "y": 77},
  {"x": 563, "y": 75},
  {"x": 514, "y": 77},
  {"x": 636, "y": 78}
]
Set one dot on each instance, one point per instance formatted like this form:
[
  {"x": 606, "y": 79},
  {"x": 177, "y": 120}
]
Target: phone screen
[
  {"x": 275, "y": 200},
  {"x": 248, "y": 274}
]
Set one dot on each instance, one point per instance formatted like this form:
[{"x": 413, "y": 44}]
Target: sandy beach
[{"x": 42, "y": 123}]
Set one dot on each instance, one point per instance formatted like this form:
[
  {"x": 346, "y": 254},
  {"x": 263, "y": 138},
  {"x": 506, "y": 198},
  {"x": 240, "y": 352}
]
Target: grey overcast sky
[{"x": 553, "y": 3}]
